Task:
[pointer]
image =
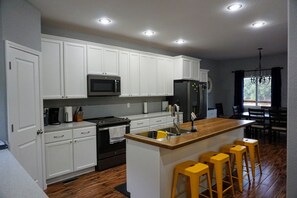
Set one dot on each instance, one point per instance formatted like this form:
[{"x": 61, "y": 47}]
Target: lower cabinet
[{"x": 70, "y": 150}]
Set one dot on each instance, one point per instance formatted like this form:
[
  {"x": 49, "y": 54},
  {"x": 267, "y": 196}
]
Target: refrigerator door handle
[{"x": 200, "y": 100}]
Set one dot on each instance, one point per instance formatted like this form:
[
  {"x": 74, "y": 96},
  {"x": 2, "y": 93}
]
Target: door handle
[{"x": 39, "y": 132}]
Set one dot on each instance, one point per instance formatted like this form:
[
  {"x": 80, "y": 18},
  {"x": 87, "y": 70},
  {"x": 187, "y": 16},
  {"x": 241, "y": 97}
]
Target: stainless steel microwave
[{"x": 103, "y": 85}]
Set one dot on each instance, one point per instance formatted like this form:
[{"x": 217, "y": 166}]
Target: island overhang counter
[{"x": 150, "y": 162}]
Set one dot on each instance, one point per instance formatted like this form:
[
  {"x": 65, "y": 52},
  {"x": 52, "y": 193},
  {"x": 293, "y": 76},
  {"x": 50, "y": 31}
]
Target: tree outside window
[{"x": 256, "y": 94}]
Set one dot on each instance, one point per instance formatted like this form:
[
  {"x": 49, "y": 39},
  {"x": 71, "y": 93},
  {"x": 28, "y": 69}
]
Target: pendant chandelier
[{"x": 259, "y": 75}]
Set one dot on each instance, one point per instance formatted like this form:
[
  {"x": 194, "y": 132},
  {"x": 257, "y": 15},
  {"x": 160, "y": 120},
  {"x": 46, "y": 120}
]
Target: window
[{"x": 256, "y": 94}]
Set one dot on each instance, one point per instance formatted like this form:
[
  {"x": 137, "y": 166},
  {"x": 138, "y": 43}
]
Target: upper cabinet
[
  {"x": 63, "y": 69},
  {"x": 165, "y": 70},
  {"x": 52, "y": 69},
  {"x": 102, "y": 60},
  {"x": 186, "y": 68},
  {"x": 129, "y": 72},
  {"x": 148, "y": 75},
  {"x": 203, "y": 75},
  {"x": 75, "y": 70}
]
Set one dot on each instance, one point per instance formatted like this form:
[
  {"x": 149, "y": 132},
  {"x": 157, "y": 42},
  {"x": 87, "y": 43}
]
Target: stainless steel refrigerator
[{"x": 191, "y": 96}]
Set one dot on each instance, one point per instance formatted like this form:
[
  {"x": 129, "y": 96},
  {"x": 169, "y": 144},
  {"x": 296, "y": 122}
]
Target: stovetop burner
[{"x": 109, "y": 121}]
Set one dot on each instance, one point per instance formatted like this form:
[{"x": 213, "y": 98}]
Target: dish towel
[{"x": 116, "y": 134}]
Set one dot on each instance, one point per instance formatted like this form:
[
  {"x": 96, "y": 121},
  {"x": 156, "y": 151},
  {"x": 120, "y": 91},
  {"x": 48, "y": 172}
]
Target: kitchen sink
[{"x": 163, "y": 134}]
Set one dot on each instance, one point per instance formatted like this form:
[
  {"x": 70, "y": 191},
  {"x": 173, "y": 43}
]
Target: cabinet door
[
  {"x": 186, "y": 68},
  {"x": 124, "y": 73},
  {"x": 75, "y": 70},
  {"x": 161, "y": 76},
  {"x": 148, "y": 75},
  {"x": 195, "y": 70},
  {"x": 169, "y": 68},
  {"x": 94, "y": 63},
  {"x": 52, "y": 68},
  {"x": 59, "y": 160},
  {"x": 145, "y": 63},
  {"x": 85, "y": 154},
  {"x": 134, "y": 74},
  {"x": 110, "y": 61}
]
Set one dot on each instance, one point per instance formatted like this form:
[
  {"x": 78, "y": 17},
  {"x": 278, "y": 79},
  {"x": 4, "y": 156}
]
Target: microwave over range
[{"x": 103, "y": 85}]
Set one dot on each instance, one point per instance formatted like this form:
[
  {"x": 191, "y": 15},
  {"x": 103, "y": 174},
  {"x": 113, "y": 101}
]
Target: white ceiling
[{"x": 210, "y": 31}]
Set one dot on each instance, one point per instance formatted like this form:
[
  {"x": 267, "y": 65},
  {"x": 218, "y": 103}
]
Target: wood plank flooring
[{"x": 272, "y": 182}]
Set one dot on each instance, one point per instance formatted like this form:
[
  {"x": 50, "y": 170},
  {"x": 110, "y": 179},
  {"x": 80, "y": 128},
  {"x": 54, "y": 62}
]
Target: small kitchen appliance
[
  {"x": 68, "y": 114},
  {"x": 53, "y": 117}
]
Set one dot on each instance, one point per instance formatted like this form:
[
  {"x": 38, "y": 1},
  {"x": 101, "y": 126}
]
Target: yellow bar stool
[
  {"x": 253, "y": 150},
  {"x": 239, "y": 153},
  {"x": 194, "y": 171},
  {"x": 217, "y": 161}
]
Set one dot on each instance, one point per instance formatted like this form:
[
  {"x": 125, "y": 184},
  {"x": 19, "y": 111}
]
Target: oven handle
[{"x": 107, "y": 128}]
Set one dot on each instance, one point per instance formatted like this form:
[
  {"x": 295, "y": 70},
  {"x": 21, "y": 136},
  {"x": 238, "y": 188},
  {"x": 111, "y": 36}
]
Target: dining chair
[
  {"x": 278, "y": 122},
  {"x": 236, "y": 112},
  {"x": 260, "y": 126}
]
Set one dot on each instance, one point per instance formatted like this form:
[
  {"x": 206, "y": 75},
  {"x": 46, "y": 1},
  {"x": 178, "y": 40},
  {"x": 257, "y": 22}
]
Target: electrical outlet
[{"x": 128, "y": 105}]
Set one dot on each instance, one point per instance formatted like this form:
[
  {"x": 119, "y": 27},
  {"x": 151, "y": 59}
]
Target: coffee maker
[{"x": 53, "y": 117}]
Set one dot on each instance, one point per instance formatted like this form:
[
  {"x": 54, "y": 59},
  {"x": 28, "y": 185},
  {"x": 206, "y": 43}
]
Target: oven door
[
  {"x": 102, "y": 85},
  {"x": 105, "y": 149}
]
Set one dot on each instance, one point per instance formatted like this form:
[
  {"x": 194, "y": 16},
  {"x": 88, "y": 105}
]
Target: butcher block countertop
[{"x": 206, "y": 128}]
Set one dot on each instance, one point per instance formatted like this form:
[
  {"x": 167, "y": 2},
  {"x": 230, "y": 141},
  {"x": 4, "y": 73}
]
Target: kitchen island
[{"x": 150, "y": 162}]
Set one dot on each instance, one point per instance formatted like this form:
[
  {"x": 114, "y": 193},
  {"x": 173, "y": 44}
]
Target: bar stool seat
[
  {"x": 253, "y": 150},
  {"x": 239, "y": 152},
  {"x": 217, "y": 161},
  {"x": 193, "y": 171}
]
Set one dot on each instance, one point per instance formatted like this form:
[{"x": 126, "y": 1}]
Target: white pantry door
[{"x": 24, "y": 116}]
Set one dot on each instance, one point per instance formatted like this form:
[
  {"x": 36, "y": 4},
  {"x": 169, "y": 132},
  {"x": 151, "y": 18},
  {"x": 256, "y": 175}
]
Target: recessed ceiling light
[
  {"x": 149, "y": 33},
  {"x": 180, "y": 41},
  {"x": 105, "y": 21},
  {"x": 258, "y": 24},
  {"x": 234, "y": 7}
]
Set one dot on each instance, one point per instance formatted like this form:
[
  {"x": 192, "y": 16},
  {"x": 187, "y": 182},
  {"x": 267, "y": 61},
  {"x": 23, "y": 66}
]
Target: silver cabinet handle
[
  {"x": 39, "y": 132},
  {"x": 85, "y": 132},
  {"x": 58, "y": 136},
  {"x": 139, "y": 123}
]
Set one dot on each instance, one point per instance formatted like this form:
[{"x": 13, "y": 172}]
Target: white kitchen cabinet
[
  {"x": 161, "y": 76},
  {"x": 58, "y": 153},
  {"x": 129, "y": 72},
  {"x": 102, "y": 60},
  {"x": 158, "y": 123},
  {"x": 75, "y": 70},
  {"x": 52, "y": 69},
  {"x": 169, "y": 69},
  {"x": 137, "y": 126},
  {"x": 70, "y": 150},
  {"x": 63, "y": 69},
  {"x": 203, "y": 75},
  {"x": 148, "y": 75},
  {"x": 186, "y": 68}
]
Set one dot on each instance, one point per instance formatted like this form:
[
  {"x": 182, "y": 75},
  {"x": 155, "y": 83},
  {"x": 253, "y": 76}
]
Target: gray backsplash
[{"x": 107, "y": 106}]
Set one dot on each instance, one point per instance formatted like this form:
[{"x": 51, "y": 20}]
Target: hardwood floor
[{"x": 272, "y": 182}]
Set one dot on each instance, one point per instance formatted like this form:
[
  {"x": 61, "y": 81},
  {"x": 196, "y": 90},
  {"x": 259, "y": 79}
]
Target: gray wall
[
  {"x": 225, "y": 78},
  {"x": 292, "y": 101},
  {"x": 20, "y": 24},
  {"x": 212, "y": 74}
]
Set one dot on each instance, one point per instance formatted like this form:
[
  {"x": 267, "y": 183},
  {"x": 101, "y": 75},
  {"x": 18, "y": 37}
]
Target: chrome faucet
[{"x": 175, "y": 112}]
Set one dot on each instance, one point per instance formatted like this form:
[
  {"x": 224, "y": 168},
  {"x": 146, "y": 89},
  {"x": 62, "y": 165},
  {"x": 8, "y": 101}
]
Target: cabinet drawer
[
  {"x": 140, "y": 129},
  {"x": 158, "y": 120},
  {"x": 58, "y": 136},
  {"x": 84, "y": 132},
  {"x": 140, "y": 123}
]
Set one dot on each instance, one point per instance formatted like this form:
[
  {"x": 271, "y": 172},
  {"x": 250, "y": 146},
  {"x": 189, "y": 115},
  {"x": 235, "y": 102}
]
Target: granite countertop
[
  {"x": 206, "y": 128},
  {"x": 65, "y": 126},
  {"x": 148, "y": 115},
  {"x": 15, "y": 181}
]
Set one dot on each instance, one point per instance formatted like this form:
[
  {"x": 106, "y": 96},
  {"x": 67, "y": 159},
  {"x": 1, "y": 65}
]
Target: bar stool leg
[
  {"x": 238, "y": 158},
  {"x": 219, "y": 179},
  {"x": 247, "y": 166},
  {"x": 252, "y": 159},
  {"x": 174, "y": 184},
  {"x": 258, "y": 158},
  {"x": 194, "y": 182},
  {"x": 209, "y": 184}
]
